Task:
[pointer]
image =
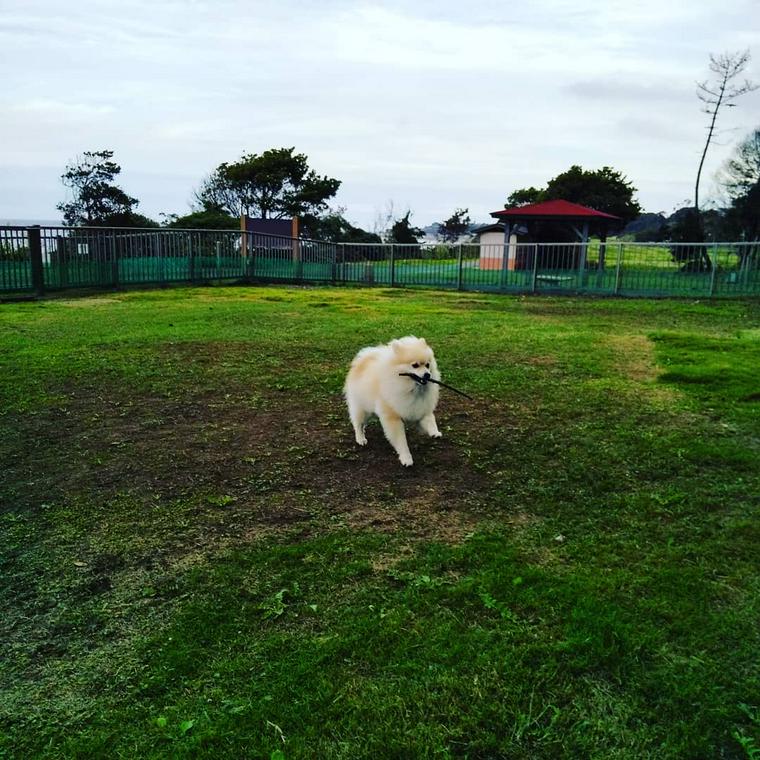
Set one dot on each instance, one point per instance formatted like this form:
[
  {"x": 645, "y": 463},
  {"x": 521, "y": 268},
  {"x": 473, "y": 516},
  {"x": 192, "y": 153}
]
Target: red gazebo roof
[{"x": 553, "y": 210}]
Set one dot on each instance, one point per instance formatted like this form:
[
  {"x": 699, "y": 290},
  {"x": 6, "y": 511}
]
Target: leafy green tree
[
  {"x": 740, "y": 177},
  {"x": 97, "y": 200},
  {"x": 455, "y": 226},
  {"x": 209, "y": 218},
  {"x": 129, "y": 219},
  {"x": 275, "y": 184},
  {"x": 524, "y": 197},
  {"x": 603, "y": 189},
  {"x": 335, "y": 228},
  {"x": 686, "y": 226},
  {"x": 742, "y": 218},
  {"x": 742, "y": 171},
  {"x": 402, "y": 231}
]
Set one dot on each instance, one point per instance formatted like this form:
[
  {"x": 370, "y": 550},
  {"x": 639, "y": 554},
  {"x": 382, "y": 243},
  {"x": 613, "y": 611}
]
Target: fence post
[
  {"x": 251, "y": 252},
  {"x": 601, "y": 263},
  {"x": 190, "y": 258},
  {"x": 748, "y": 259},
  {"x": 459, "y": 266},
  {"x": 582, "y": 258},
  {"x": 714, "y": 263},
  {"x": 534, "y": 278},
  {"x": 162, "y": 258},
  {"x": 393, "y": 265},
  {"x": 61, "y": 259},
  {"x": 114, "y": 261},
  {"x": 35, "y": 256},
  {"x": 618, "y": 269},
  {"x": 504, "y": 264}
]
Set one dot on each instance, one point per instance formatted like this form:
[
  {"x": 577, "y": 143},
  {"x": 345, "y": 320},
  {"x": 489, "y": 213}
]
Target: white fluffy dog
[{"x": 374, "y": 386}]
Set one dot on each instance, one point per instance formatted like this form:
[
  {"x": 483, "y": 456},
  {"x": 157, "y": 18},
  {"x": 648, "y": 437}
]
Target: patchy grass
[{"x": 198, "y": 561}]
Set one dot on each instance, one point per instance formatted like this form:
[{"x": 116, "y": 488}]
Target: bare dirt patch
[
  {"x": 250, "y": 469},
  {"x": 170, "y": 484}
]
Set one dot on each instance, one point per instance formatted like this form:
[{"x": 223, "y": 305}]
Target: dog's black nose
[{"x": 426, "y": 376}]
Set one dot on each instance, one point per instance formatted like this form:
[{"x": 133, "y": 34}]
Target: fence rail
[{"x": 40, "y": 259}]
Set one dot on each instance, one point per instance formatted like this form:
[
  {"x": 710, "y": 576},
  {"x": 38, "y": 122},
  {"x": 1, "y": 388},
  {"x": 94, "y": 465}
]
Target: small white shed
[{"x": 493, "y": 247}]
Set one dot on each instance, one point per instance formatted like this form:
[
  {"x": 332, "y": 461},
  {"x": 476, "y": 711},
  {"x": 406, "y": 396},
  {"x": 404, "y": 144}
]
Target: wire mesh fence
[
  {"x": 15, "y": 260},
  {"x": 57, "y": 258}
]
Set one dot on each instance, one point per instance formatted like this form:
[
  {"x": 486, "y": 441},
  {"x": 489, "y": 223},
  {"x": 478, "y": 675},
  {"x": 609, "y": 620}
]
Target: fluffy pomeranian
[{"x": 374, "y": 386}]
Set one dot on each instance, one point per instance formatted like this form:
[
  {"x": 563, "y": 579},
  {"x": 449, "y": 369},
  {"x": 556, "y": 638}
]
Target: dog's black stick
[{"x": 420, "y": 381}]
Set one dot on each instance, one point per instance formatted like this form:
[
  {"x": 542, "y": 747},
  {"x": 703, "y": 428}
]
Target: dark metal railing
[{"x": 39, "y": 259}]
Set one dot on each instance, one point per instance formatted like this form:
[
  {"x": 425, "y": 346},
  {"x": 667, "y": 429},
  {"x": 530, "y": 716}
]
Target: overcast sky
[{"x": 433, "y": 104}]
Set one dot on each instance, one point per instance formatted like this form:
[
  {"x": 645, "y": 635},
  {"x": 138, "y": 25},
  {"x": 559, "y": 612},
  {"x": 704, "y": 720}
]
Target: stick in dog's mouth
[
  {"x": 421, "y": 381},
  {"x": 417, "y": 379}
]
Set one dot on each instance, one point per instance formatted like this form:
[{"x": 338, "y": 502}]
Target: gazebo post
[
  {"x": 602, "y": 255},
  {"x": 505, "y": 256},
  {"x": 582, "y": 257}
]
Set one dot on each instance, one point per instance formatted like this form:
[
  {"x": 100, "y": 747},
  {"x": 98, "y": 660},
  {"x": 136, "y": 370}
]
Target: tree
[
  {"x": 335, "y": 228},
  {"x": 742, "y": 171},
  {"x": 384, "y": 219},
  {"x": 602, "y": 189},
  {"x": 718, "y": 93},
  {"x": 128, "y": 219},
  {"x": 96, "y": 199},
  {"x": 402, "y": 231},
  {"x": 209, "y": 218},
  {"x": 605, "y": 190},
  {"x": 741, "y": 178},
  {"x": 687, "y": 225},
  {"x": 743, "y": 217},
  {"x": 524, "y": 197},
  {"x": 455, "y": 226},
  {"x": 275, "y": 184}
]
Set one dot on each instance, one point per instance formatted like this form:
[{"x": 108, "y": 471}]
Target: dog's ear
[
  {"x": 423, "y": 341},
  {"x": 395, "y": 345}
]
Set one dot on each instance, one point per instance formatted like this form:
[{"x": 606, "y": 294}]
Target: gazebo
[{"x": 577, "y": 217}]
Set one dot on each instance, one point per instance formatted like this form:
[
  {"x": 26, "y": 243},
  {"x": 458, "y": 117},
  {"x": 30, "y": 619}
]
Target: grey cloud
[{"x": 616, "y": 90}]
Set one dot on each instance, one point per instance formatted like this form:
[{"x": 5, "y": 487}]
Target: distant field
[{"x": 198, "y": 561}]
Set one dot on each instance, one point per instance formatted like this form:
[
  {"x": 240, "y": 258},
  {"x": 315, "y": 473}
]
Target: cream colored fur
[{"x": 373, "y": 386}]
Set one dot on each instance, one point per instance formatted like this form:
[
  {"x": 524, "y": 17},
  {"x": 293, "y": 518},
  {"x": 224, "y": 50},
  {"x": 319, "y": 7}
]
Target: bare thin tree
[
  {"x": 384, "y": 220},
  {"x": 721, "y": 92}
]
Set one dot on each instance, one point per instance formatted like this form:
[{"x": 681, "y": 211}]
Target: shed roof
[
  {"x": 553, "y": 210},
  {"x": 495, "y": 227}
]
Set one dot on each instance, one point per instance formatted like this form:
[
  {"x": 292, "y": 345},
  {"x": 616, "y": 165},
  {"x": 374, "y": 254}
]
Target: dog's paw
[
  {"x": 361, "y": 441},
  {"x": 407, "y": 460}
]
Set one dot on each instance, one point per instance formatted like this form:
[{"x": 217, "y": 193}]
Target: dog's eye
[
  {"x": 427, "y": 364},
  {"x": 415, "y": 365}
]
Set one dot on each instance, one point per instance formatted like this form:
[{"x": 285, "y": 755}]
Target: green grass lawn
[{"x": 198, "y": 561}]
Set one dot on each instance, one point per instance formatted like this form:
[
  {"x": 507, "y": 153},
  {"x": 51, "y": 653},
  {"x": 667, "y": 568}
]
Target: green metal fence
[{"x": 39, "y": 259}]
